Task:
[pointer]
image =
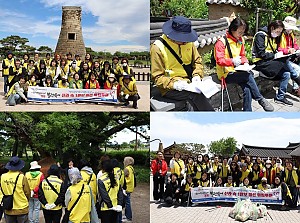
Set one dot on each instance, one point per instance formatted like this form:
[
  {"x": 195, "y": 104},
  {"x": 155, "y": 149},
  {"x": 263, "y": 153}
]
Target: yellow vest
[
  {"x": 190, "y": 169},
  {"x": 92, "y": 85},
  {"x": 260, "y": 187},
  {"x": 8, "y": 182},
  {"x": 203, "y": 183},
  {"x": 224, "y": 171},
  {"x": 119, "y": 173},
  {"x": 198, "y": 174},
  {"x": 244, "y": 174},
  {"x": 60, "y": 85},
  {"x": 130, "y": 179},
  {"x": 235, "y": 50},
  {"x": 283, "y": 42},
  {"x": 268, "y": 46},
  {"x": 229, "y": 185},
  {"x": 130, "y": 88},
  {"x": 8, "y": 63},
  {"x": 294, "y": 176},
  {"x": 47, "y": 62},
  {"x": 52, "y": 71},
  {"x": 29, "y": 83},
  {"x": 172, "y": 66},
  {"x": 188, "y": 186},
  {"x": 50, "y": 195},
  {"x": 178, "y": 167},
  {"x": 33, "y": 182},
  {"x": 255, "y": 175},
  {"x": 11, "y": 77},
  {"x": 78, "y": 63},
  {"x": 112, "y": 191},
  {"x": 93, "y": 182},
  {"x": 12, "y": 89},
  {"x": 81, "y": 211}
]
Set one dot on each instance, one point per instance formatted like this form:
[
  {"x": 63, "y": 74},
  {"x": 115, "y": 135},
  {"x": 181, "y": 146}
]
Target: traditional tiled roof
[
  {"x": 208, "y": 30},
  {"x": 293, "y": 144},
  {"x": 231, "y": 2},
  {"x": 266, "y": 151}
]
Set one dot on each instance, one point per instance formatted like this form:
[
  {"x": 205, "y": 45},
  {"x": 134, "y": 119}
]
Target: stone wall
[{"x": 71, "y": 23}]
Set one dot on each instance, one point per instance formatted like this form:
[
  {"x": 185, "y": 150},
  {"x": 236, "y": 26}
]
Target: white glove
[
  {"x": 182, "y": 172},
  {"x": 114, "y": 88},
  {"x": 52, "y": 206},
  {"x": 118, "y": 208},
  {"x": 196, "y": 79},
  {"x": 278, "y": 55},
  {"x": 198, "y": 169},
  {"x": 122, "y": 93},
  {"x": 124, "y": 192},
  {"x": 47, "y": 207},
  {"x": 126, "y": 96},
  {"x": 237, "y": 61},
  {"x": 31, "y": 193},
  {"x": 180, "y": 85},
  {"x": 183, "y": 182}
]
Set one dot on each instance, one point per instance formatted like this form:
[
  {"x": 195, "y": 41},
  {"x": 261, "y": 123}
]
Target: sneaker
[
  {"x": 283, "y": 101},
  {"x": 126, "y": 104},
  {"x": 126, "y": 220},
  {"x": 266, "y": 105},
  {"x": 283, "y": 208}
]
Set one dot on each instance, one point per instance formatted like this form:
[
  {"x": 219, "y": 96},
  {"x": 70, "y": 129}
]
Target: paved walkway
[{"x": 200, "y": 214}]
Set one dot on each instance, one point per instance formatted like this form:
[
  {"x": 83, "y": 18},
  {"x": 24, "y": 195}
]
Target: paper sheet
[
  {"x": 206, "y": 86},
  {"x": 244, "y": 67}
]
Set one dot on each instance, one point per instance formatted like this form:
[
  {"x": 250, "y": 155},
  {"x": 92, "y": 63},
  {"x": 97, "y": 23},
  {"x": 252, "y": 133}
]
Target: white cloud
[
  {"x": 121, "y": 48},
  {"x": 272, "y": 132}
]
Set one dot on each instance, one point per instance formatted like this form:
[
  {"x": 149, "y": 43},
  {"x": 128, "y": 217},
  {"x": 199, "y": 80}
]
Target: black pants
[
  {"x": 185, "y": 196},
  {"x": 158, "y": 187},
  {"x": 294, "y": 193},
  {"x": 53, "y": 216},
  {"x": 109, "y": 216},
  {"x": 169, "y": 199},
  {"x": 1, "y": 212},
  {"x": 134, "y": 99},
  {"x": 195, "y": 101}
]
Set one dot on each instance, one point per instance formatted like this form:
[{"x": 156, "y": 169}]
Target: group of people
[
  {"x": 201, "y": 171},
  {"x": 85, "y": 196},
  {"x": 270, "y": 46},
  {"x": 68, "y": 72}
]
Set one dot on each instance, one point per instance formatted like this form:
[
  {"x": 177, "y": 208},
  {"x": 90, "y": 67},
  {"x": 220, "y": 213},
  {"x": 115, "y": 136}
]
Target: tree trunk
[
  {"x": 136, "y": 139},
  {"x": 16, "y": 145}
]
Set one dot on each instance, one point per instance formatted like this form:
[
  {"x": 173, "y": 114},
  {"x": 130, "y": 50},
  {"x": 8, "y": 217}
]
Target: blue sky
[
  {"x": 107, "y": 25},
  {"x": 258, "y": 129}
]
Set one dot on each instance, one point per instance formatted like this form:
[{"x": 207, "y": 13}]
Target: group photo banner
[
  {"x": 48, "y": 94},
  {"x": 231, "y": 194}
]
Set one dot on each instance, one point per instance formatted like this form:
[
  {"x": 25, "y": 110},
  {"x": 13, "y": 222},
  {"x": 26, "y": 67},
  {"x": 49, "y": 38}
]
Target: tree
[
  {"x": 28, "y": 49},
  {"x": 223, "y": 147},
  {"x": 45, "y": 49},
  {"x": 190, "y": 149},
  {"x": 13, "y": 42},
  {"x": 64, "y": 135}
]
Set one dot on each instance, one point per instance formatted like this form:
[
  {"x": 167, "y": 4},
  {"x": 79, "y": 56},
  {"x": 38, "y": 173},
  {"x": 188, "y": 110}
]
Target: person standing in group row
[
  {"x": 171, "y": 77},
  {"x": 159, "y": 168},
  {"x": 15, "y": 179},
  {"x": 34, "y": 177},
  {"x": 130, "y": 184}
]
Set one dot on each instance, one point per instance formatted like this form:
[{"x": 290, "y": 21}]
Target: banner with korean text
[
  {"x": 48, "y": 94},
  {"x": 230, "y": 194}
]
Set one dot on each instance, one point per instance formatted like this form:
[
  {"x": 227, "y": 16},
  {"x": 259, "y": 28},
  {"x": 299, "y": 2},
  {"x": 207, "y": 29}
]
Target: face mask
[
  {"x": 73, "y": 65},
  {"x": 288, "y": 31},
  {"x": 278, "y": 164},
  {"x": 274, "y": 35},
  {"x": 111, "y": 79},
  {"x": 268, "y": 165},
  {"x": 124, "y": 64}
]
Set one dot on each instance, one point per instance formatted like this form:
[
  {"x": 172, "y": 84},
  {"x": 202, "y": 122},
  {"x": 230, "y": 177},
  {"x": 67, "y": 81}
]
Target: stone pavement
[{"x": 200, "y": 214}]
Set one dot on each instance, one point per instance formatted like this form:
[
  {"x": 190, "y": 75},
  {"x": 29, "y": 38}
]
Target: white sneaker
[{"x": 126, "y": 220}]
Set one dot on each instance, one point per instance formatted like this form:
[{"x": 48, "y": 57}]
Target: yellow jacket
[
  {"x": 112, "y": 191},
  {"x": 49, "y": 194},
  {"x": 93, "y": 182},
  {"x": 165, "y": 69},
  {"x": 129, "y": 178},
  {"x": 130, "y": 89}
]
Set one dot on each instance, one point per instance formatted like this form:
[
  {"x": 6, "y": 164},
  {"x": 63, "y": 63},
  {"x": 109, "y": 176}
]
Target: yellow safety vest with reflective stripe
[
  {"x": 130, "y": 179},
  {"x": 61, "y": 85},
  {"x": 198, "y": 174},
  {"x": 203, "y": 183},
  {"x": 47, "y": 62},
  {"x": 255, "y": 175},
  {"x": 268, "y": 46},
  {"x": 112, "y": 191},
  {"x": 283, "y": 42},
  {"x": 188, "y": 186},
  {"x": 29, "y": 83},
  {"x": 50, "y": 195},
  {"x": 8, "y": 182},
  {"x": 92, "y": 85},
  {"x": 119, "y": 173},
  {"x": 81, "y": 211},
  {"x": 172, "y": 67},
  {"x": 19, "y": 70},
  {"x": 93, "y": 182},
  {"x": 33, "y": 182},
  {"x": 130, "y": 89},
  {"x": 244, "y": 174},
  {"x": 235, "y": 48},
  {"x": 52, "y": 72},
  {"x": 224, "y": 170},
  {"x": 294, "y": 176},
  {"x": 8, "y": 63},
  {"x": 190, "y": 169}
]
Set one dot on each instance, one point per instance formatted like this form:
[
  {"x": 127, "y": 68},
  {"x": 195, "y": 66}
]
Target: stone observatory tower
[{"x": 70, "y": 38}]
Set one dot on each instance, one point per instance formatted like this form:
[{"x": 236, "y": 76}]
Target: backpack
[{"x": 212, "y": 56}]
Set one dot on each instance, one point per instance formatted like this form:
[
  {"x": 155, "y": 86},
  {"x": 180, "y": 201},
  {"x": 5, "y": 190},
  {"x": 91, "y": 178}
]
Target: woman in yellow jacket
[
  {"x": 130, "y": 184},
  {"x": 129, "y": 91},
  {"x": 110, "y": 192},
  {"x": 84, "y": 210}
]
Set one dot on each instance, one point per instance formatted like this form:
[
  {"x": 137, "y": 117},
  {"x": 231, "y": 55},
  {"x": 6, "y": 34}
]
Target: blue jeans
[
  {"x": 34, "y": 210},
  {"x": 284, "y": 76},
  {"x": 295, "y": 72},
  {"x": 128, "y": 212},
  {"x": 248, "y": 85},
  {"x": 119, "y": 217},
  {"x": 5, "y": 83}
]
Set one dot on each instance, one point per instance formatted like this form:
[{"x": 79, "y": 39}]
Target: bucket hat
[
  {"x": 290, "y": 23},
  {"x": 15, "y": 163},
  {"x": 180, "y": 29}
]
